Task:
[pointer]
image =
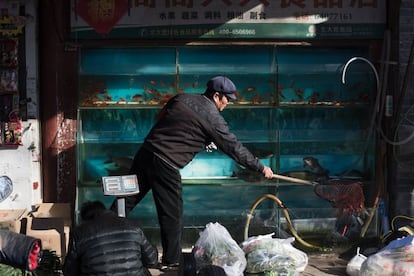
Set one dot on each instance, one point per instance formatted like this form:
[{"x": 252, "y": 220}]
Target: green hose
[{"x": 289, "y": 222}]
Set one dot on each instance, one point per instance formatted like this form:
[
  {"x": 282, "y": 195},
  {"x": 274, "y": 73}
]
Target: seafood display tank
[{"x": 293, "y": 111}]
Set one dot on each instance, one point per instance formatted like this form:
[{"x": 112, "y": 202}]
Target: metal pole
[{"x": 121, "y": 207}]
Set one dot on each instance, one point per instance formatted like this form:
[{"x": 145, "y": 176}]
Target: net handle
[{"x": 293, "y": 179}]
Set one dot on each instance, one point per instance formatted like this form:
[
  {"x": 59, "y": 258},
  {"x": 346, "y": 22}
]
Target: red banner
[{"x": 102, "y": 15}]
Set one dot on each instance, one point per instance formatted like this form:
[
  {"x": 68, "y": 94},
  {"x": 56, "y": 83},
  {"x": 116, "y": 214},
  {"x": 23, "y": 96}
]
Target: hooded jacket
[
  {"x": 186, "y": 125},
  {"x": 109, "y": 245}
]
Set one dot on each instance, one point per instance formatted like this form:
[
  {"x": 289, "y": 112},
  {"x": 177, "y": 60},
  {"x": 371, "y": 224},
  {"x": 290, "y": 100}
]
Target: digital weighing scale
[{"x": 120, "y": 186}]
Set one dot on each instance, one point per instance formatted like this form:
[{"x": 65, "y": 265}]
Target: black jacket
[
  {"x": 18, "y": 249},
  {"x": 186, "y": 125},
  {"x": 109, "y": 245}
]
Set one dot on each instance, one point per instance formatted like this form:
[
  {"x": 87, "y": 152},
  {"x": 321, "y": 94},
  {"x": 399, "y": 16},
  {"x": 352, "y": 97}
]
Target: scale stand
[{"x": 120, "y": 186}]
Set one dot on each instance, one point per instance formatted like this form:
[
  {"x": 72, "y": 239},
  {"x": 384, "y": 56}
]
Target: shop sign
[{"x": 207, "y": 19}]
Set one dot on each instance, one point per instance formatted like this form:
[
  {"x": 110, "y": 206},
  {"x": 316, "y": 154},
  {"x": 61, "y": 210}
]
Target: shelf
[
  {"x": 157, "y": 105},
  {"x": 214, "y": 181},
  {"x": 235, "y": 104}
]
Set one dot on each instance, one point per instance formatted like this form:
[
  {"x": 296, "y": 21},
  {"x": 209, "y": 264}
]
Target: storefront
[
  {"x": 307, "y": 103},
  {"x": 20, "y": 150}
]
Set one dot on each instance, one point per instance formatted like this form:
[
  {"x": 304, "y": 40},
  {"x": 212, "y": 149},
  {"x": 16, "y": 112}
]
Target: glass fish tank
[{"x": 292, "y": 111}]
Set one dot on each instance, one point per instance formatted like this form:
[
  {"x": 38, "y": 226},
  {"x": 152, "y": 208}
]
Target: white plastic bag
[
  {"x": 216, "y": 246},
  {"x": 396, "y": 259},
  {"x": 267, "y": 254},
  {"x": 354, "y": 265}
]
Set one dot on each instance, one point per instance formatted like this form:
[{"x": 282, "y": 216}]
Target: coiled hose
[{"x": 289, "y": 222}]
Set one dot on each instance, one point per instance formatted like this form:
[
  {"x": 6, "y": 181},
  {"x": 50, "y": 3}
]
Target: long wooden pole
[{"x": 293, "y": 179}]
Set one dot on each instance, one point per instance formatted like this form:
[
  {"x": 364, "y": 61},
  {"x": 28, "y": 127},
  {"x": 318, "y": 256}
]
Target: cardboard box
[
  {"x": 11, "y": 219},
  {"x": 51, "y": 222},
  {"x": 54, "y": 210}
]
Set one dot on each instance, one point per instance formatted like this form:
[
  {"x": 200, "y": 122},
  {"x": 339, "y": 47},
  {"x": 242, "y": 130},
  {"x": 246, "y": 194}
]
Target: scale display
[{"x": 120, "y": 185}]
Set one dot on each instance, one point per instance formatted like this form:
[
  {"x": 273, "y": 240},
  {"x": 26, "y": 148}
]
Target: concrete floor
[
  {"x": 319, "y": 264},
  {"x": 325, "y": 264}
]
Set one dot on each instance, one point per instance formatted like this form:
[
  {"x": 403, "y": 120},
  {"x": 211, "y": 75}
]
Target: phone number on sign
[
  {"x": 237, "y": 32},
  {"x": 334, "y": 16}
]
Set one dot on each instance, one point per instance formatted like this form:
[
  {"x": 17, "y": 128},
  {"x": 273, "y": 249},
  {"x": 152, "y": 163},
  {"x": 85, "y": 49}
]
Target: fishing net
[{"x": 345, "y": 195}]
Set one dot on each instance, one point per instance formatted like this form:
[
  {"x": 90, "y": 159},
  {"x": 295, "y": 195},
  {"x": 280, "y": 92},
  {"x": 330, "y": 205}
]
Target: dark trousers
[{"x": 165, "y": 182}]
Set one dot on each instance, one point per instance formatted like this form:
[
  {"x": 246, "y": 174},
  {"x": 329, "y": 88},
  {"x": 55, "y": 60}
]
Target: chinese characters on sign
[
  {"x": 231, "y": 18},
  {"x": 282, "y": 4}
]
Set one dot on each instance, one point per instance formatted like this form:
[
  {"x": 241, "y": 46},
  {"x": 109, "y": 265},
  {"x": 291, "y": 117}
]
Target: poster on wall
[
  {"x": 247, "y": 19},
  {"x": 10, "y": 123}
]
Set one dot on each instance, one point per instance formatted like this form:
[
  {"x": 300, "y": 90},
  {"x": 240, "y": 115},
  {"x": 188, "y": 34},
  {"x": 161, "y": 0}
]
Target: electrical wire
[
  {"x": 379, "y": 95},
  {"x": 399, "y": 217},
  {"x": 394, "y": 142},
  {"x": 394, "y": 233},
  {"x": 406, "y": 114}
]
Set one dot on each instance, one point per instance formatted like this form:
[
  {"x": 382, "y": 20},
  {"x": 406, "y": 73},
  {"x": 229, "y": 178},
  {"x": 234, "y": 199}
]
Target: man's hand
[{"x": 268, "y": 173}]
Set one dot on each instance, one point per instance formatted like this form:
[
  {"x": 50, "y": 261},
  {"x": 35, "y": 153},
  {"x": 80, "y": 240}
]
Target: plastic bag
[
  {"x": 267, "y": 254},
  {"x": 396, "y": 259},
  {"x": 215, "y": 246},
  {"x": 354, "y": 265}
]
